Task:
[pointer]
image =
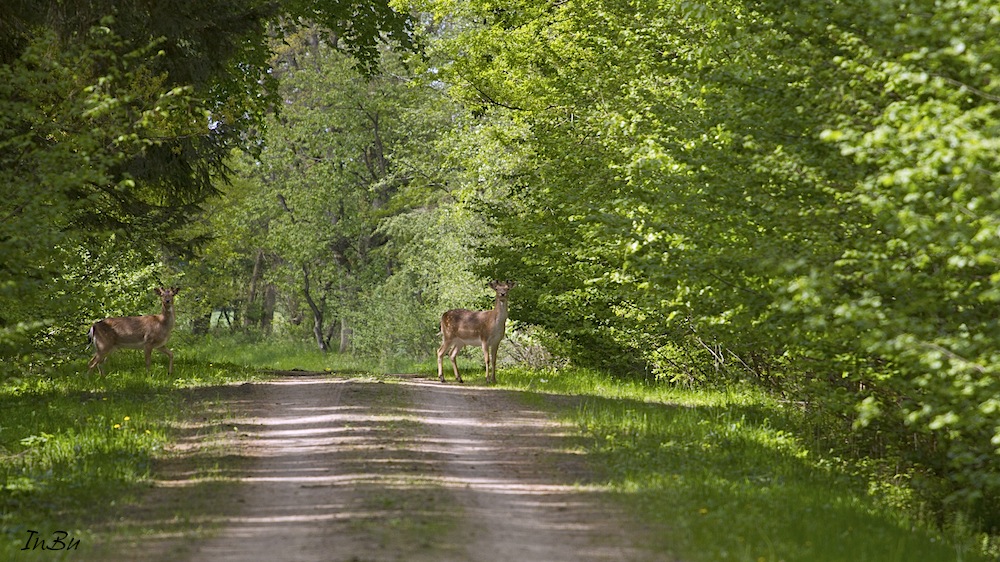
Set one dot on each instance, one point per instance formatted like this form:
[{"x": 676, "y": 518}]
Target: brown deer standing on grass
[
  {"x": 460, "y": 327},
  {"x": 135, "y": 332}
]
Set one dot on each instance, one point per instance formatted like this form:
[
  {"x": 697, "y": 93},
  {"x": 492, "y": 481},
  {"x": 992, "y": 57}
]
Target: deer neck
[
  {"x": 501, "y": 311},
  {"x": 168, "y": 314}
]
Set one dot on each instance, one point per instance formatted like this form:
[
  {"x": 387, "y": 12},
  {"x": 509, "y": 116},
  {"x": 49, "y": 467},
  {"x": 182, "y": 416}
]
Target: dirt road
[{"x": 322, "y": 468}]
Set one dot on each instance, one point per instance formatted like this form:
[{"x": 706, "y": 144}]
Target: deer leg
[
  {"x": 486, "y": 360},
  {"x": 101, "y": 352},
  {"x": 170, "y": 365},
  {"x": 493, "y": 363},
  {"x": 454, "y": 362},
  {"x": 96, "y": 362},
  {"x": 441, "y": 351}
]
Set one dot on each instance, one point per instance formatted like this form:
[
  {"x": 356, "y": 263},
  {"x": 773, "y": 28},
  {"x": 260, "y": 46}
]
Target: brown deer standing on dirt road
[
  {"x": 135, "y": 332},
  {"x": 460, "y": 327}
]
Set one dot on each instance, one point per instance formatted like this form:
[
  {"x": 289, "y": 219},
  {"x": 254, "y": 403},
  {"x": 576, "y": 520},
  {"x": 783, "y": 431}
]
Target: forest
[{"x": 799, "y": 196}]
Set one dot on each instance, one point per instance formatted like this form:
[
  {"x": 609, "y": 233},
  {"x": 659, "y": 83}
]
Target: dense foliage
[
  {"x": 117, "y": 120},
  {"x": 335, "y": 213},
  {"x": 801, "y": 194},
  {"x": 804, "y": 191}
]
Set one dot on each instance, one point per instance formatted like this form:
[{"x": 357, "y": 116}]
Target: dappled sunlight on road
[{"x": 332, "y": 469}]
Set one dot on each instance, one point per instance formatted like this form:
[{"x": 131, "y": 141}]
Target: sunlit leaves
[
  {"x": 804, "y": 184},
  {"x": 116, "y": 124}
]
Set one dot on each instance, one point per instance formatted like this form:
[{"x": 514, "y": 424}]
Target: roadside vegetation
[
  {"x": 74, "y": 450},
  {"x": 725, "y": 473},
  {"x": 733, "y": 474}
]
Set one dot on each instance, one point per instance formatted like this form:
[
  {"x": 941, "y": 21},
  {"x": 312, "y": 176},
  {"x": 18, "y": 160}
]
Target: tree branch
[
  {"x": 490, "y": 100},
  {"x": 975, "y": 91}
]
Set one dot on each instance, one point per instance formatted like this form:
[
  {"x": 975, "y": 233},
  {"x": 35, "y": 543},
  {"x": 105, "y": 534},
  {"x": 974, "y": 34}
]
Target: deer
[
  {"x": 461, "y": 327},
  {"x": 135, "y": 332}
]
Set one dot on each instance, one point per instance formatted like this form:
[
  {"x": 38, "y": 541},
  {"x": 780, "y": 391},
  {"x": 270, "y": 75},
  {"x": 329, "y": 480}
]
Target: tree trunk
[
  {"x": 334, "y": 326},
  {"x": 345, "y": 336},
  {"x": 251, "y": 318},
  {"x": 316, "y": 310},
  {"x": 201, "y": 324},
  {"x": 267, "y": 315}
]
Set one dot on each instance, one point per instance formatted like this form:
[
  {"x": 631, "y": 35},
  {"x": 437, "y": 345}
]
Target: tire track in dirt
[
  {"x": 513, "y": 472},
  {"x": 329, "y": 469}
]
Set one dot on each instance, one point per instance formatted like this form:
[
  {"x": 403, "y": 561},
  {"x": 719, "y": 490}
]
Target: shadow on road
[{"x": 311, "y": 467}]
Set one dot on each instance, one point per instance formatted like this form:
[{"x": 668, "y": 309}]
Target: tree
[
  {"x": 801, "y": 189},
  {"x": 344, "y": 155},
  {"x": 920, "y": 291},
  {"x": 116, "y": 123}
]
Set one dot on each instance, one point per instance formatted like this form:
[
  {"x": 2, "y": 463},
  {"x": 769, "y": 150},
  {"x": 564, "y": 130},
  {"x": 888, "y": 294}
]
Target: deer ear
[
  {"x": 493, "y": 284},
  {"x": 511, "y": 283},
  {"x": 176, "y": 290},
  {"x": 158, "y": 291}
]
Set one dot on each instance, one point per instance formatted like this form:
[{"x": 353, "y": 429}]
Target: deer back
[
  {"x": 139, "y": 331},
  {"x": 473, "y": 325},
  {"x": 133, "y": 331}
]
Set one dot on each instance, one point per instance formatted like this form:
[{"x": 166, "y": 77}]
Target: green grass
[
  {"x": 285, "y": 355},
  {"x": 733, "y": 475},
  {"x": 724, "y": 474},
  {"x": 73, "y": 448}
]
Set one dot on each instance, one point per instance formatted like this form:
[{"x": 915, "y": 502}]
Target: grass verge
[
  {"x": 74, "y": 449},
  {"x": 733, "y": 475},
  {"x": 284, "y": 355}
]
